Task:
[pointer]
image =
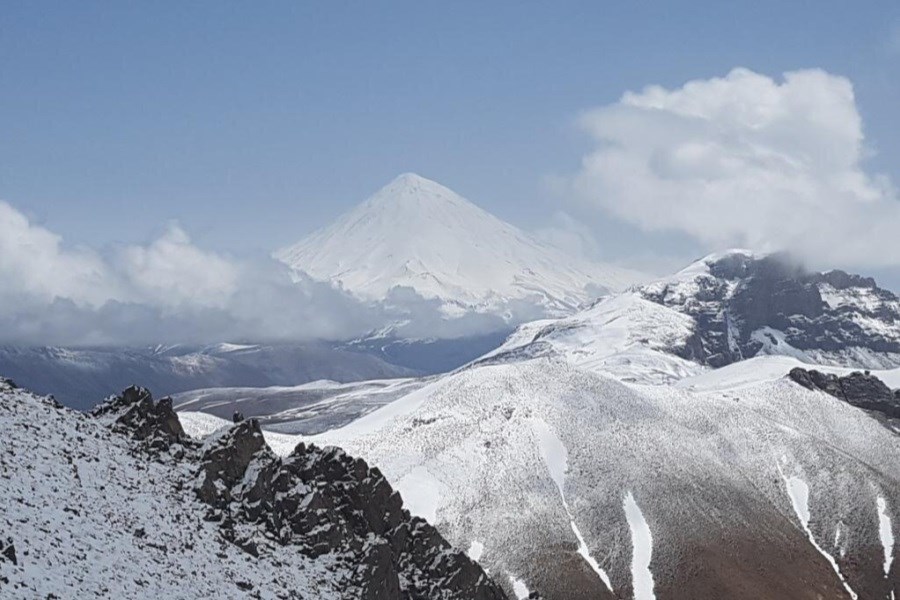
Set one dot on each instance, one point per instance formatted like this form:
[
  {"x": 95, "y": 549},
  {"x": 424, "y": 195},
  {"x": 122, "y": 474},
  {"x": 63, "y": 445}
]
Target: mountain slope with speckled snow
[{"x": 555, "y": 474}]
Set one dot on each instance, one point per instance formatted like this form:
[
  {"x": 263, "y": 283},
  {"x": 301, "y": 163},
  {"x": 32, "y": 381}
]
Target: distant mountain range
[{"x": 82, "y": 377}]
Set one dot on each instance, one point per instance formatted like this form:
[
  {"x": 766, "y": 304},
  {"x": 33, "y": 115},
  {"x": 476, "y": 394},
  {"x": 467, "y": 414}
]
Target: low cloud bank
[{"x": 172, "y": 291}]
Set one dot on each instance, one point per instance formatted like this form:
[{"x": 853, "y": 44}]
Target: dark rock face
[
  {"x": 859, "y": 389},
  {"x": 135, "y": 412},
  {"x": 326, "y": 502},
  {"x": 742, "y": 295},
  {"x": 226, "y": 460}
]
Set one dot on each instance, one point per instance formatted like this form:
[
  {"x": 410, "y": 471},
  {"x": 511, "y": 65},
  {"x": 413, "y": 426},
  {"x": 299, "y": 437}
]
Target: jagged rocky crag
[
  {"x": 324, "y": 502},
  {"x": 863, "y": 390},
  {"x": 743, "y": 305},
  {"x": 122, "y": 504}
]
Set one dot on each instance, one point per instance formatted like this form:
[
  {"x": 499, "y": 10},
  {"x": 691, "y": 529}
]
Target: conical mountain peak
[
  {"x": 411, "y": 191},
  {"x": 417, "y": 233}
]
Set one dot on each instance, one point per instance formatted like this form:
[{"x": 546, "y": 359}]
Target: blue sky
[{"x": 252, "y": 124}]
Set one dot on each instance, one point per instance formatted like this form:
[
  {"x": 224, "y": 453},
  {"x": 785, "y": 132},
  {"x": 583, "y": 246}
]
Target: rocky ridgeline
[
  {"x": 862, "y": 390},
  {"x": 739, "y": 297},
  {"x": 321, "y": 501}
]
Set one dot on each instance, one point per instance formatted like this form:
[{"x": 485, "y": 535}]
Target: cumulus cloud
[
  {"x": 34, "y": 263},
  {"x": 745, "y": 160},
  {"x": 169, "y": 290},
  {"x": 172, "y": 271}
]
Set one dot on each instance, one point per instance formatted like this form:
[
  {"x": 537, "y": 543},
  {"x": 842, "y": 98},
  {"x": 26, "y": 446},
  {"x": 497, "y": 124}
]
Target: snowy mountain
[
  {"x": 419, "y": 234},
  {"x": 122, "y": 504},
  {"x": 577, "y": 485},
  {"x": 654, "y": 445},
  {"x": 723, "y": 309}
]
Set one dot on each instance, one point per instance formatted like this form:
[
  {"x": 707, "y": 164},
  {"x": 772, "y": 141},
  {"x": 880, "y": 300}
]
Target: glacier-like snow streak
[
  {"x": 555, "y": 456},
  {"x": 886, "y": 534},
  {"x": 799, "y": 494},
  {"x": 642, "y": 550}
]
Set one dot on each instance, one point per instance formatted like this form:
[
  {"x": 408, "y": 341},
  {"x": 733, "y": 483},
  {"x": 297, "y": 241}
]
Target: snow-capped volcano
[{"x": 419, "y": 234}]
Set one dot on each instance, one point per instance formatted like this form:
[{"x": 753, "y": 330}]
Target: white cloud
[
  {"x": 171, "y": 291},
  {"x": 173, "y": 271},
  {"x": 745, "y": 160},
  {"x": 33, "y": 262}
]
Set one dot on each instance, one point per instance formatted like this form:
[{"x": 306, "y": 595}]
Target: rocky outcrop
[
  {"x": 319, "y": 501},
  {"x": 863, "y": 390},
  {"x": 135, "y": 412},
  {"x": 8, "y": 551},
  {"x": 325, "y": 502}
]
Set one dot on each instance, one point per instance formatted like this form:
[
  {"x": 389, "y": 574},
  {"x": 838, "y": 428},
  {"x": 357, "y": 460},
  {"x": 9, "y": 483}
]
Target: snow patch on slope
[
  {"x": 476, "y": 549},
  {"x": 886, "y": 534},
  {"x": 642, "y": 550},
  {"x": 519, "y": 588},
  {"x": 556, "y": 458},
  {"x": 423, "y": 493},
  {"x": 799, "y": 494}
]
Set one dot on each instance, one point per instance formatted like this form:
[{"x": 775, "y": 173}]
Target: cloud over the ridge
[{"x": 745, "y": 160}]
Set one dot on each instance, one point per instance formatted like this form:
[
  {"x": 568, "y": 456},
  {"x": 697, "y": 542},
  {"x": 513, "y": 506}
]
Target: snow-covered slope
[
  {"x": 417, "y": 233},
  {"x": 89, "y": 517},
  {"x": 309, "y": 408},
  {"x": 623, "y": 336},
  {"x": 571, "y": 483}
]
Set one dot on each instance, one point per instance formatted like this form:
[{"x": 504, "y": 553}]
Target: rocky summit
[
  {"x": 743, "y": 305},
  {"x": 121, "y": 503}
]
